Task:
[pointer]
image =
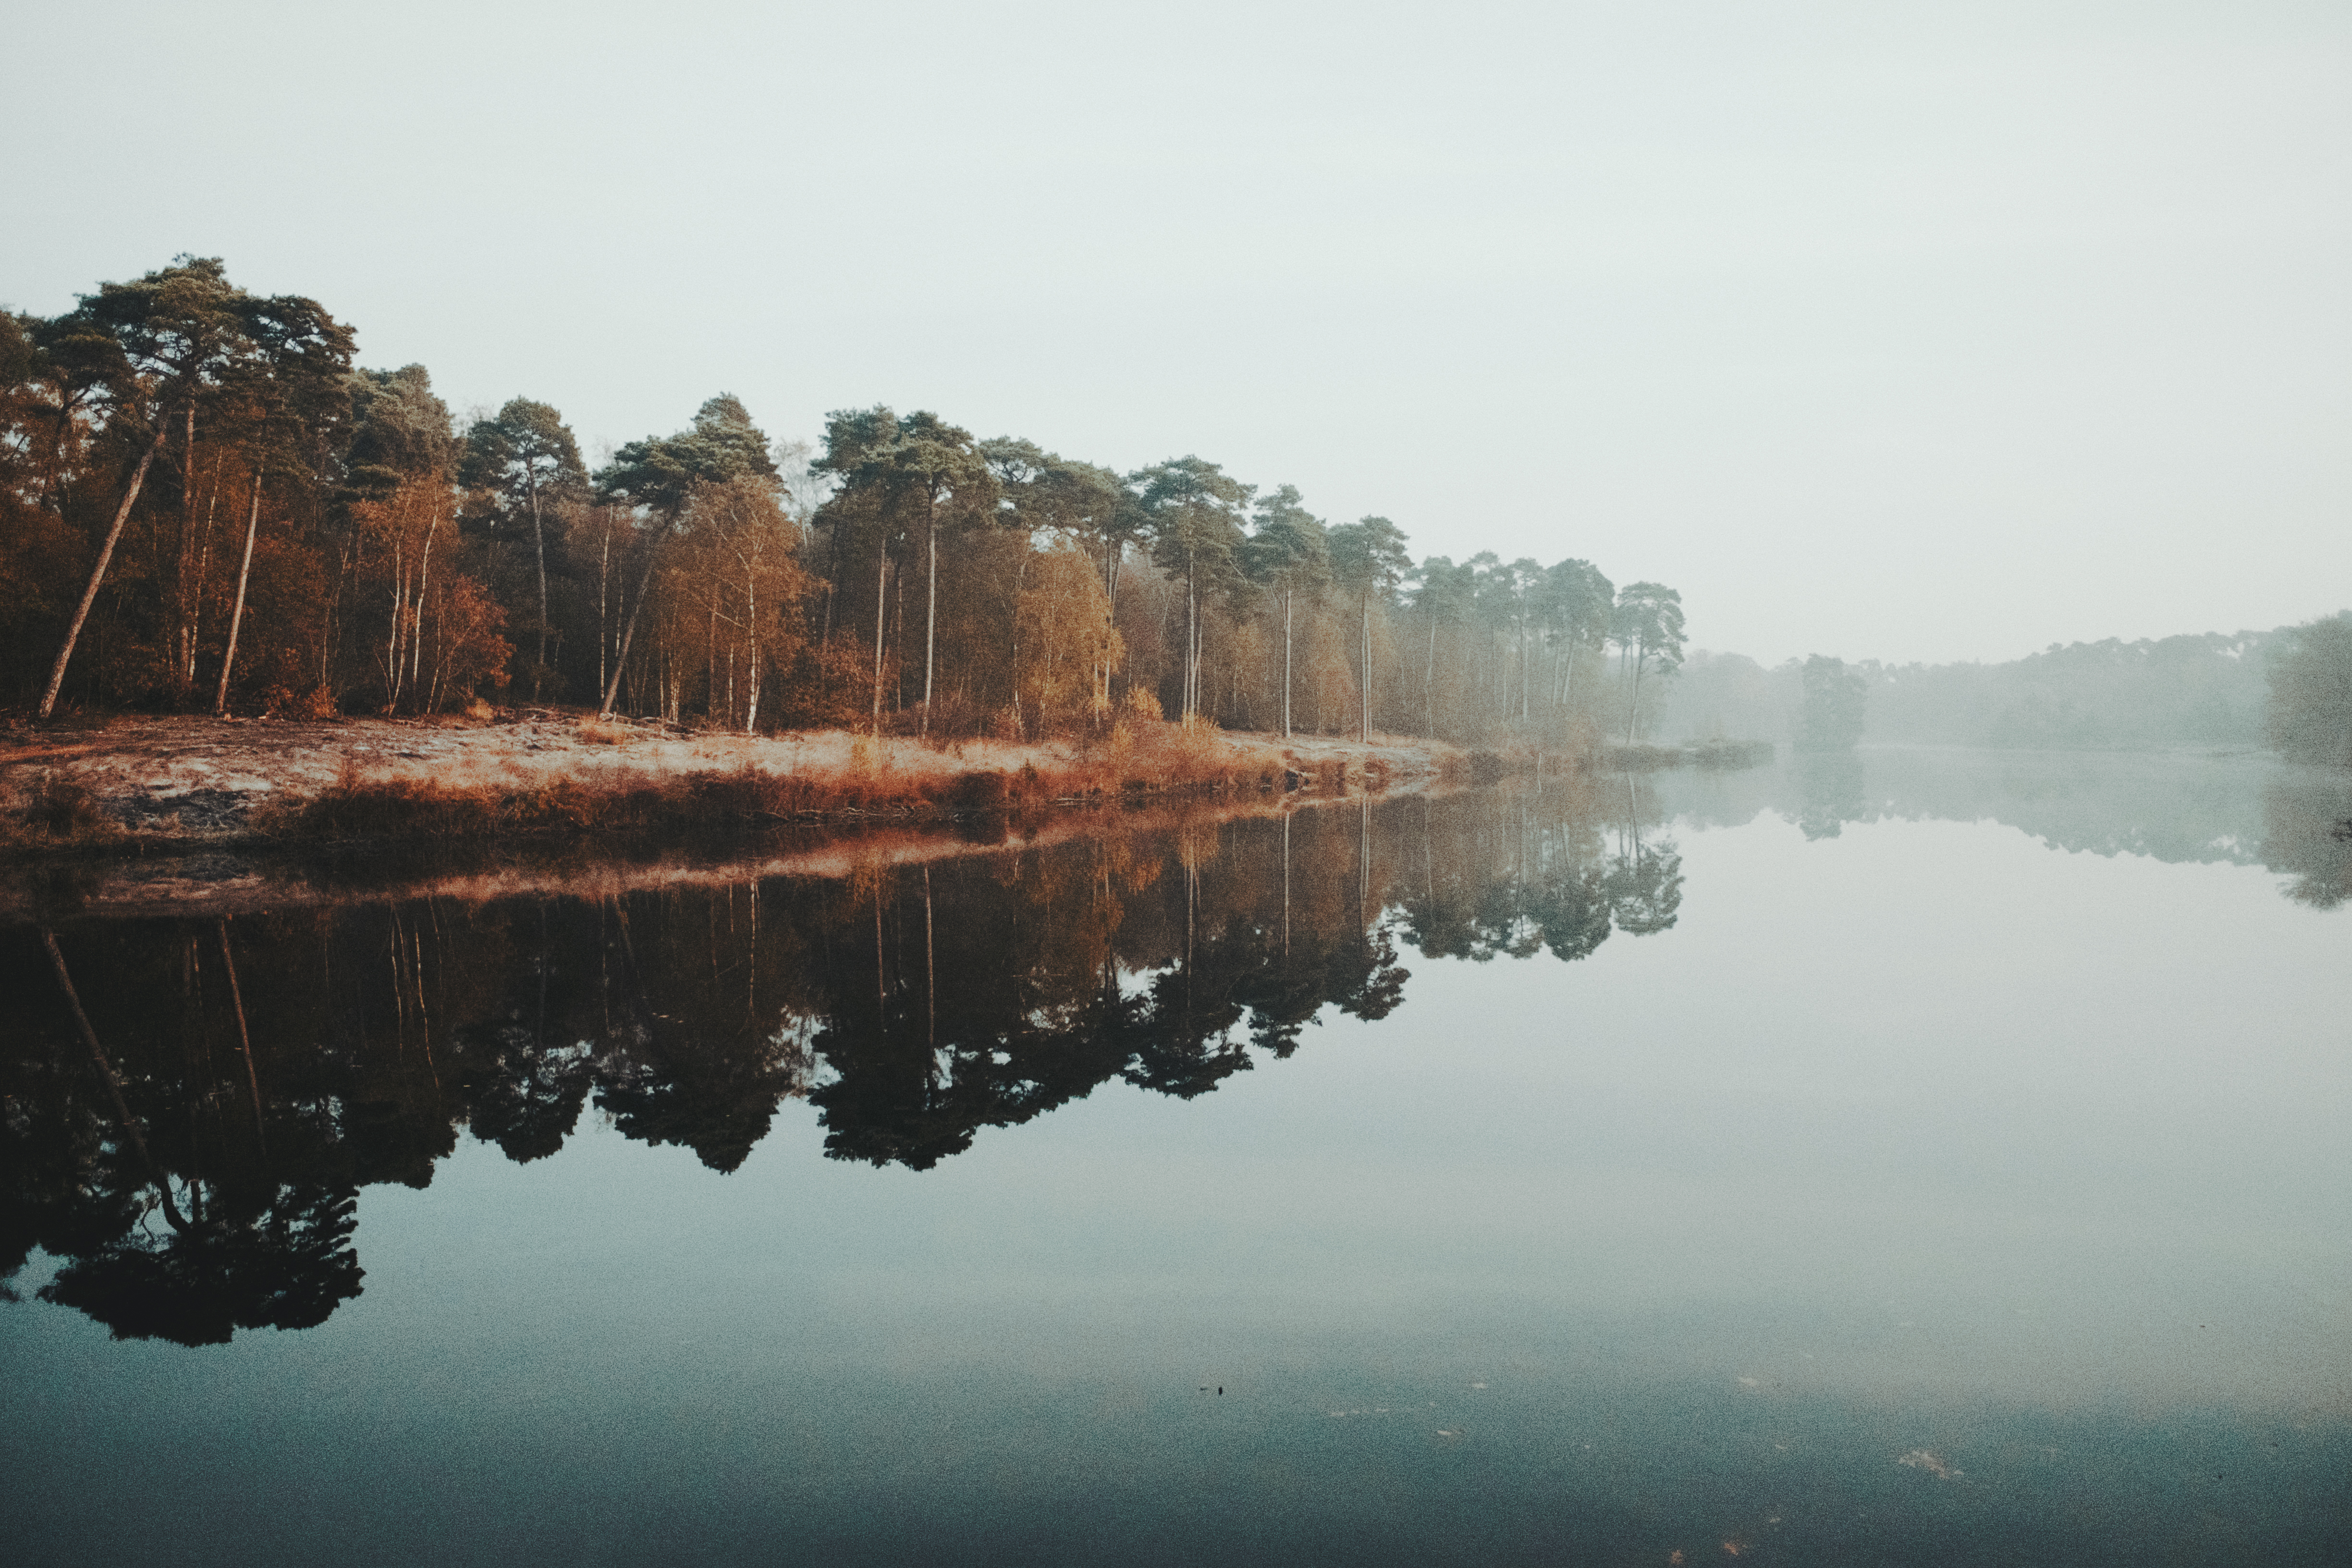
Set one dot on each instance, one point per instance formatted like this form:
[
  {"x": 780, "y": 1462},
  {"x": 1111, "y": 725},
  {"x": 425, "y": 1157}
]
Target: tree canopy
[{"x": 205, "y": 502}]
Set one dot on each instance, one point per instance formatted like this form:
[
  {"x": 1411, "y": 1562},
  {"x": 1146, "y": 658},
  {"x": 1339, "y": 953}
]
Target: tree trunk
[
  {"x": 1527, "y": 668},
  {"x": 603, "y": 586},
  {"x": 751, "y": 673},
  {"x": 236, "y": 615},
  {"x": 1634, "y": 708},
  {"x": 423, "y": 586},
  {"x": 1568, "y": 690},
  {"x": 881, "y": 613},
  {"x": 629, "y": 628},
  {"x": 98, "y": 570},
  {"x": 931, "y": 610},
  {"x": 186, "y": 674},
  {"x": 184, "y": 663},
  {"x": 1364, "y": 674},
  {"x": 1429, "y": 685},
  {"x": 539, "y": 538},
  {"x": 1286, "y": 600},
  {"x": 392, "y": 645},
  {"x": 1192, "y": 644}
]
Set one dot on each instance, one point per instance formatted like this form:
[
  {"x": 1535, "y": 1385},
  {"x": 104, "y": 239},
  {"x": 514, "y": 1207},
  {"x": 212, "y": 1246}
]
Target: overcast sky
[{"x": 1917, "y": 332}]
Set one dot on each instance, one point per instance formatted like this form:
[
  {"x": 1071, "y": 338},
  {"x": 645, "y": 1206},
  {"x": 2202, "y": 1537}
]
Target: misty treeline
[
  {"x": 194, "y": 1104},
  {"x": 2290, "y": 689},
  {"x": 208, "y": 508}
]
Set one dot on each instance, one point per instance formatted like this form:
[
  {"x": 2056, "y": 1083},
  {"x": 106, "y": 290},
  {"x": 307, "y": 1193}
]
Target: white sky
[{"x": 1921, "y": 332}]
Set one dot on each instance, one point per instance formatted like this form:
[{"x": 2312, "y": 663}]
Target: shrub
[
  {"x": 600, "y": 732},
  {"x": 981, "y": 791},
  {"x": 63, "y": 811}
]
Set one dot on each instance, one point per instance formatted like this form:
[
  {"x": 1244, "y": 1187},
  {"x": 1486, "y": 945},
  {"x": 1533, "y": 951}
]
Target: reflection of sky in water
[{"x": 1923, "y": 1194}]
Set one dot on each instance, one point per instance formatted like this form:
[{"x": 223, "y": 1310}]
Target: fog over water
[
  {"x": 1905, "y": 1155},
  {"x": 1929, "y": 334}
]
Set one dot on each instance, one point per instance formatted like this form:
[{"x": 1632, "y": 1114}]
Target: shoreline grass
[{"x": 165, "y": 786}]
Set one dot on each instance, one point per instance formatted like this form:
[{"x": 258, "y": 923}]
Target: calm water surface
[{"x": 1913, "y": 1157}]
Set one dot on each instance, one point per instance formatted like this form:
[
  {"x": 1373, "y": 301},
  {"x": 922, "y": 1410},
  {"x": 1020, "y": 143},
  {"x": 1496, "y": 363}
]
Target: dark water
[{"x": 1905, "y": 1158}]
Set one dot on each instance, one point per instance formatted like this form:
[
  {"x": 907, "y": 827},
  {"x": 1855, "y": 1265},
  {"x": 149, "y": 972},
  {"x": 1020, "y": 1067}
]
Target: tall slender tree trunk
[
  {"x": 193, "y": 623},
  {"x": 1527, "y": 669},
  {"x": 187, "y": 504},
  {"x": 236, "y": 615},
  {"x": 1287, "y": 599},
  {"x": 752, "y": 672},
  {"x": 539, "y": 539},
  {"x": 183, "y": 603},
  {"x": 604, "y": 587},
  {"x": 391, "y": 644},
  {"x": 930, "y": 609},
  {"x": 1568, "y": 690},
  {"x": 1364, "y": 673},
  {"x": 1634, "y": 708},
  {"x": 423, "y": 586},
  {"x": 881, "y": 613},
  {"x": 629, "y": 628},
  {"x": 1429, "y": 685},
  {"x": 98, "y": 570},
  {"x": 1192, "y": 644}
]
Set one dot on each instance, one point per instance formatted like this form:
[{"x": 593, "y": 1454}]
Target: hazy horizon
[{"x": 1916, "y": 339}]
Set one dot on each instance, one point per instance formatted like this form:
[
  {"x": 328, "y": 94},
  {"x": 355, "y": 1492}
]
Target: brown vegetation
[
  {"x": 546, "y": 773},
  {"x": 829, "y": 780}
]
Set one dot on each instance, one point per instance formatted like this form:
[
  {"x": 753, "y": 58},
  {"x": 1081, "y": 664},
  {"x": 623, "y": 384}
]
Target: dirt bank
[{"x": 147, "y": 783}]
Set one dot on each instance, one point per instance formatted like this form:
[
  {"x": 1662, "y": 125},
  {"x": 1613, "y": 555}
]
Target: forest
[
  {"x": 2289, "y": 688},
  {"x": 207, "y": 507}
]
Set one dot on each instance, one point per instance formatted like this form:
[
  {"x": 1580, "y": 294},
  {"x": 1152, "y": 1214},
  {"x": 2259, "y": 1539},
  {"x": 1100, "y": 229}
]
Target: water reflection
[
  {"x": 192, "y": 1106},
  {"x": 1831, "y": 793},
  {"x": 2308, "y": 833},
  {"x": 2244, "y": 810}
]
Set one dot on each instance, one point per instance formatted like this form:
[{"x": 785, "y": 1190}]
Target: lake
[{"x": 1908, "y": 1157}]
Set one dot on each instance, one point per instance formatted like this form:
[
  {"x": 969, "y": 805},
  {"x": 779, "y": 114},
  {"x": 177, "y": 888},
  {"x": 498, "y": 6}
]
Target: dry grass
[
  {"x": 599, "y": 731},
  {"x": 58, "y": 811},
  {"x": 549, "y": 772},
  {"x": 717, "y": 784}
]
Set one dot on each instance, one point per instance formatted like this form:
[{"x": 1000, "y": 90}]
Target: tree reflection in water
[
  {"x": 2308, "y": 819},
  {"x": 192, "y": 1106}
]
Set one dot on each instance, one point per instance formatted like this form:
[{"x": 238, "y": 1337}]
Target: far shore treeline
[
  {"x": 2289, "y": 688},
  {"x": 205, "y": 506}
]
